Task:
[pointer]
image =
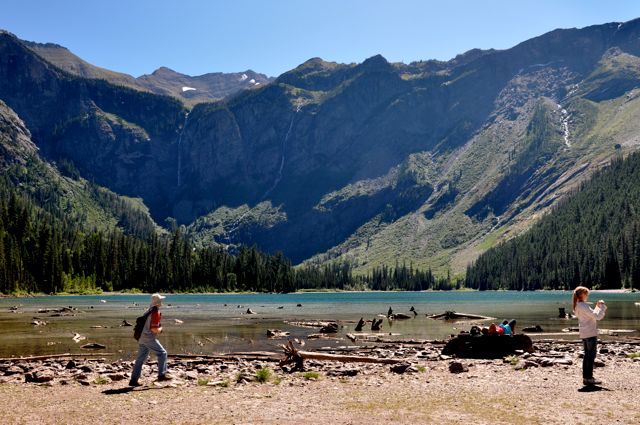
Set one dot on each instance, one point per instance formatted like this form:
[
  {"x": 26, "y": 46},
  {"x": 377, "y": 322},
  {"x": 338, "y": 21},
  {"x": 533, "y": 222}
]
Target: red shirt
[{"x": 155, "y": 319}]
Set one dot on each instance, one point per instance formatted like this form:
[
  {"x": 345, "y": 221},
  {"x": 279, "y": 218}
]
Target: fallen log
[
  {"x": 54, "y": 356},
  {"x": 293, "y": 355},
  {"x": 250, "y": 356}
]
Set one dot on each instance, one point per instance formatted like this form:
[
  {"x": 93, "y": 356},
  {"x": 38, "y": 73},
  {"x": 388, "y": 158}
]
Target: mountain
[
  {"x": 190, "y": 90},
  {"x": 202, "y": 88},
  {"x": 429, "y": 163},
  {"x": 59, "y": 189}
]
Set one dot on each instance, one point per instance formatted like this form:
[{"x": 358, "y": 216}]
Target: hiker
[
  {"x": 149, "y": 342},
  {"x": 587, "y": 322}
]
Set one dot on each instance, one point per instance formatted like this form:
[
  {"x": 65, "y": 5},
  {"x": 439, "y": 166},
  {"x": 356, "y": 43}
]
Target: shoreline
[
  {"x": 519, "y": 389},
  {"x": 328, "y": 291}
]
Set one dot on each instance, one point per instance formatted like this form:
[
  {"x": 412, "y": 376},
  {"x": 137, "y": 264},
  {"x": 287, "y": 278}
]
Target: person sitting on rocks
[{"x": 509, "y": 327}]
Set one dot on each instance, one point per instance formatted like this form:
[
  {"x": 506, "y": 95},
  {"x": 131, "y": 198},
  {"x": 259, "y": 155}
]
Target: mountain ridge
[{"x": 429, "y": 162}]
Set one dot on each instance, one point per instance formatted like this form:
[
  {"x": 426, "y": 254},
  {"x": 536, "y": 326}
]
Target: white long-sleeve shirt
[{"x": 587, "y": 318}]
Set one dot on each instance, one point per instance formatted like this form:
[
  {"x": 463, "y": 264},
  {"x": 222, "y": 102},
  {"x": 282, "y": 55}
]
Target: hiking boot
[
  {"x": 165, "y": 377},
  {"x": 591, "y": 381},
  {"x": 135, "y": 384}
]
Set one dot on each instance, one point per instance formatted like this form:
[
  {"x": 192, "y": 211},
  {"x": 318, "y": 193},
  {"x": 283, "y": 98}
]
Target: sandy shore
[{"x": 543, "y": 387}]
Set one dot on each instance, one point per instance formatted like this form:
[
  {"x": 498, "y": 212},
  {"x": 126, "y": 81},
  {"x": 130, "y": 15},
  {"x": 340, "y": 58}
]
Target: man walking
[{"x": 149, "y": 342}]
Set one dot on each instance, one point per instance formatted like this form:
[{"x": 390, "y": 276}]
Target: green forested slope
[{"x": 592, "y": 239}]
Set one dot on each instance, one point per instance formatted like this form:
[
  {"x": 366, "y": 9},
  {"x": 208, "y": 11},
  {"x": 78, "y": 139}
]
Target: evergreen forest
[{"x": 592, "y": 238}]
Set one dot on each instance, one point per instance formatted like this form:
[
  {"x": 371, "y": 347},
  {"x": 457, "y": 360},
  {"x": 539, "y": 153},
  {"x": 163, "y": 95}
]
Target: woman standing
[{"x": 587, "y": 318}]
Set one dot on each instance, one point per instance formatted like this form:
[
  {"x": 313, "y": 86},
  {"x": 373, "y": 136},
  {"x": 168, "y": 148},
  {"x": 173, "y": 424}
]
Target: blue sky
[{"x": 273, "y": 36}]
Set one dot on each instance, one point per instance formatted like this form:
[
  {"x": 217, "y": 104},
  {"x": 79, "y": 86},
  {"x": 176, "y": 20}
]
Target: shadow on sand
[
  {"x": 125, "y": 390},
  {"x": 592, "y": 389}
]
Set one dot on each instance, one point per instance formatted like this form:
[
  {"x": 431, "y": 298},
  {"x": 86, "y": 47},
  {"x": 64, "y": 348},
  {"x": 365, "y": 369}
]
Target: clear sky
[{"x": 273, "y": 36}]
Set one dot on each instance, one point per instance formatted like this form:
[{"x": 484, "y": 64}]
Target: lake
[{"x": 215, "y": 323}]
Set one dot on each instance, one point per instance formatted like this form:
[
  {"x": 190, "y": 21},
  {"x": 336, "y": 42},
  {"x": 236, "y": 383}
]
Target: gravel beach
[{"x": 540, "y": 387}]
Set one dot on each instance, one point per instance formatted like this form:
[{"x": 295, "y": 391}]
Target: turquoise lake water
[{"x": 218, "y": 323}]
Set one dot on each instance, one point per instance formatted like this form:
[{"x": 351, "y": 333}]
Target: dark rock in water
[
  {"x": 94, "y": 346},
  {"x": 39, "y": 376},
  {"x": 399, "y": 316},
  {"x": 487, "y": 346},
  {"x": 400, "y": 368},
  {"x": 331, "y": 328},
  {"x": 276, "y": 333},
  {"x": 70, "y": 365},
  {"x": 125, "y": 323},
  {"x": 457, "y": 367},
  {"x": 299, "y": 305},
  {"x": 359, "y": 325},
  {"x": 249, "y": 311}
]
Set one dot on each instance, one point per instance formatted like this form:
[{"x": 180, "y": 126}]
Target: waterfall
[
  {"x": 184, "y": 126},
  {"x": 283, "y": 157}
]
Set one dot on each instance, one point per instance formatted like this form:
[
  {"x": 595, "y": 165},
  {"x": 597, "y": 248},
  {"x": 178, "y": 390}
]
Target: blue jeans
[
  {"x": 590, "y": 346},
  {"x": 146, "y": 345}
]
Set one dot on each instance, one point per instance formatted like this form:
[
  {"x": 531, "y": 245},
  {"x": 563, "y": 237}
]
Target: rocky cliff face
[{"x": 431, "y": 162}]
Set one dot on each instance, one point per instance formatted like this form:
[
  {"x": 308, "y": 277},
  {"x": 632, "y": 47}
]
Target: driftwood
[
  {"x": 359, "y": 325},
  {"x": 293, "y": 355},
  {"x": 452, "y": 315},
  {"x": 375, "y": 324},
  {"x": 266, "y": 356}
]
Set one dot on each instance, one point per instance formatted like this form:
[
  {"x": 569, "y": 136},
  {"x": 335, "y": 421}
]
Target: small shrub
[
  {"x": 100, "y": 380},
  {"x": 224, "y": 384},
  {"x": 263, "y": 375},
  {"x": 311, "y": 376},
  {"x": 513, "y": 360},
  {"x": 421, "y": 369},
  {"x": 203, "y": 381},
  {"x": 633, "y": 355}
]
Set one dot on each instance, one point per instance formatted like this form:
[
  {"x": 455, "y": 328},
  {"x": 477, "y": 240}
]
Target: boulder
[
  {"x": 330, "y": 328},
  {"x": 525, "y": 364},
  {"x": 39, "y": 376},
  {"x": 487, "y": 346},
  {"x": 400, "y": 368},
  {"x": 13, "y": 370},
  {"x": 457, "y": 367}
]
